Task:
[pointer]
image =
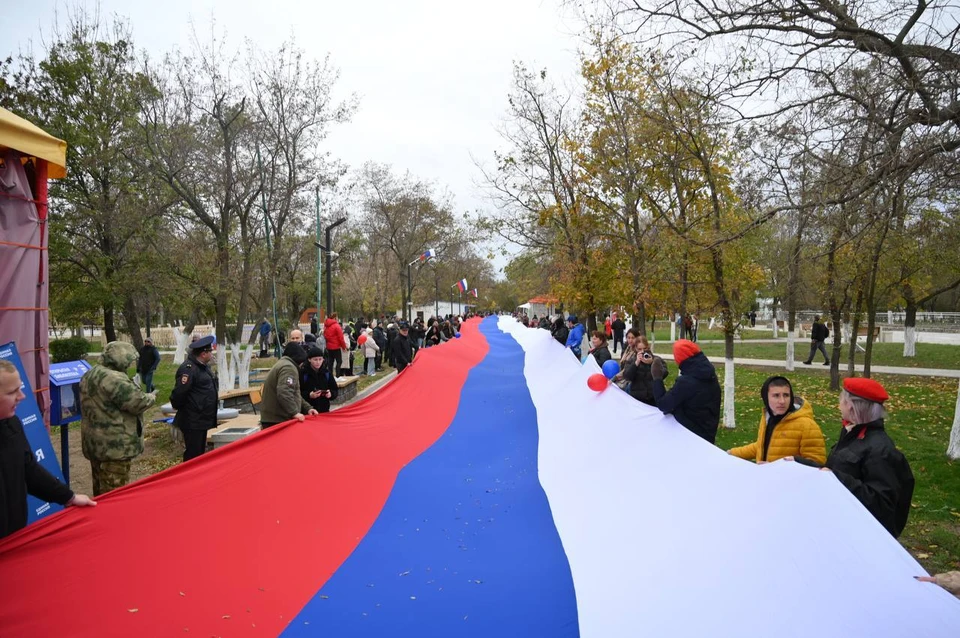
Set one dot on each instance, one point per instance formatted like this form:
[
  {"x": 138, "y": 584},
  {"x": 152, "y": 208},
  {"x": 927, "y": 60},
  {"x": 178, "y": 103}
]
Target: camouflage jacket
[{"x": 112, "y": 406}]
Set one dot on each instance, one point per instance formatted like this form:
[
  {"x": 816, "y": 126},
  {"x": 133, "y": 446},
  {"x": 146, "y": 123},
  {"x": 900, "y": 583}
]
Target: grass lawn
[
  {"x": 662, "y": 333},
  {"x": 929, "y": 355}
]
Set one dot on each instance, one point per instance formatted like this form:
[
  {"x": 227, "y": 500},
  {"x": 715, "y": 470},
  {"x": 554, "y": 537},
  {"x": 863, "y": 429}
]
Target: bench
[
  {"x": 348, "y": 389},
  {"x": 242, "y": 422},
  {"x": 862, "y": 332},
  {"x": 243, "y": 399},
  {"x": 258, "y": 375}
]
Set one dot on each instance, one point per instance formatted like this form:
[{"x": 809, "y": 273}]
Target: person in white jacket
[{"x": 370, "y": 350}]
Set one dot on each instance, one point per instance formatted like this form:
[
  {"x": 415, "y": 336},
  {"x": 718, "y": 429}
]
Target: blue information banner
[{"x": 37, "y": 437}]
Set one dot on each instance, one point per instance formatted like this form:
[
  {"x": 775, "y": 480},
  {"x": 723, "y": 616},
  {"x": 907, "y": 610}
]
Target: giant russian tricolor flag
[{"x": 487, "y": 491}]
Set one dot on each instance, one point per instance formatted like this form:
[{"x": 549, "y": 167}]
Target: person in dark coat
[
  {"x": 147, "y": 364},
  {"x": 314, "y": 325},
  {"x": 391, "y": 337},
  {"x": 694, "y": 399},
  {"x": 381, "y": 338},
  {"x": 618, "y": 327},
  {"x": 638, "y": 371},
  {"x": 865, "y": 458},
  {"x": 818, "y": 335},
  {"x": 599, "y": 349},
  {"x": 317, "y": 386},
  {"x": 20, "y": 472},
  {"x": 401, "y": 349},
  {"x": 195, "y": 397},
  {"x": 559, "y": 331},
  {"x": 432, "y": 336}
]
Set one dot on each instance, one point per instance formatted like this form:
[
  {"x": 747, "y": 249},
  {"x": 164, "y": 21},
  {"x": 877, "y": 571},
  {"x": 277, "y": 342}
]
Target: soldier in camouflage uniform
[{"x": 112, "y": 408}]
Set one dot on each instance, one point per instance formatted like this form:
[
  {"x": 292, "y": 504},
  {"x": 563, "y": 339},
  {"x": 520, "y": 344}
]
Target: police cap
[{"x": 206, "y": 343}]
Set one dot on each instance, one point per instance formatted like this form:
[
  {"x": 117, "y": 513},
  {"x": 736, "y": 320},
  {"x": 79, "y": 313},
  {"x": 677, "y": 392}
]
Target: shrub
[{"x": 70, "y": 349}]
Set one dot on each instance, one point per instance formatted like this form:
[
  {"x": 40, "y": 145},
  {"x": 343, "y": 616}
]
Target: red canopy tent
[{"x": 29, "y": 157}]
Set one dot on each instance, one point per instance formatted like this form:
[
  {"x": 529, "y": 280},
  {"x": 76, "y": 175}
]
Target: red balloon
[
  {"x": 361, "y": 339},
  {"x": 598, "y": 382}
]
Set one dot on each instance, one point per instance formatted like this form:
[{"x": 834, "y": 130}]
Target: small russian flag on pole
[
  {"x": 475, "y": 293},
  {"x": 428, "y": 254},
  {"x": 462, "y": 285}
]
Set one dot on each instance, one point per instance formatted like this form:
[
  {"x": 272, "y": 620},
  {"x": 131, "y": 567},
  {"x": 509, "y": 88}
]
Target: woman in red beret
[{"x": 865, "y": 458}]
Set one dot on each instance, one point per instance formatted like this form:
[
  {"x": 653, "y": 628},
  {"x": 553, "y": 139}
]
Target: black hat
[
  {"x": 403, "y": 325},
  {"x": 314, "y": 351},
  {"x": 295, "y": 351},
  {"x": 309, "y": 338},
  {"x": 206, "y": 343}
]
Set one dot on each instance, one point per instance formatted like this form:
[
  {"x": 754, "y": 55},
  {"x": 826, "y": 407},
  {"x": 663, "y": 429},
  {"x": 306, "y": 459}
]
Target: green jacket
[
  {"x": 280, "y": 398},
  {"x": 112, "y": 406}
]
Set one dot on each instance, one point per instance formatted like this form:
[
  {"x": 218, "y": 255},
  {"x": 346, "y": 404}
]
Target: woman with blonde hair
[{"x": 637, "y": 371}]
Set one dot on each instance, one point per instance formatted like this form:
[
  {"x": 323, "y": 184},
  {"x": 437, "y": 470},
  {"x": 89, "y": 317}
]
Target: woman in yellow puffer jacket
[{"x": 787, "y": 427}]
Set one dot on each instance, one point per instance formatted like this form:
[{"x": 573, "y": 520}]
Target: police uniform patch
[
  {"x": 289, "y": 380},
  {"x": 184, "y": 379}
]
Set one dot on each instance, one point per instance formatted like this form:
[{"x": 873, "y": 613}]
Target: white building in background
[
  {"x": 430, "y": 310},
  {"x": 539, "y": 306}
]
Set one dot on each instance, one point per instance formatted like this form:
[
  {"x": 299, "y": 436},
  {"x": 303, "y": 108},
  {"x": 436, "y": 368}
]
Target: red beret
[
  {"x": 866, "y": 389},
  {"x": 683, "y": 350}
]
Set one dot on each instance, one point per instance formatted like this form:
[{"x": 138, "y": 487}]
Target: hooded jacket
[
  {"x": 694, "y": 399},
  {"x": 560, "y": 331},
  {"x": 370, "y": 345},
  {"x": 333, "y": 333},
  {"x": 112, "y": 407},
  {"x": 575, "y": 338},
  {"x": 795, "y": 434},
  {"x": 281, "y": 399}
]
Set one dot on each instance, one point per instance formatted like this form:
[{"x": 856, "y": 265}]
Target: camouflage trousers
[{"x": 109, "y": 475}]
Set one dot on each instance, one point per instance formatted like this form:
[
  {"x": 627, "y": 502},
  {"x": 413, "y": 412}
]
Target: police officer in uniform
[{"x": 195, "y": 397}]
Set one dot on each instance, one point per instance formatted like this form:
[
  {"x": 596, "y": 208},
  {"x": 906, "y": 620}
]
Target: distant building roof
[{"x": 545, "y": 300}]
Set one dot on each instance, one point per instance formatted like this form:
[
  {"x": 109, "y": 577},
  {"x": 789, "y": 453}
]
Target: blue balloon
[
  {"x": 610, "y": 368},
  {"x": 457, "y": 335}
]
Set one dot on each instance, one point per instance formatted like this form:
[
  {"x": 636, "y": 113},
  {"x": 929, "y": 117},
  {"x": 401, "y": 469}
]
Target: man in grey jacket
[{"x": 281, "y": 400}]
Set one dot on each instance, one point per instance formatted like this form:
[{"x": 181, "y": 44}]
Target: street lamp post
[
  {"x": 330, "y": 265},
  {"x": 436, "y": 294},
  {"x": 331, "y": 254},
  {"x": 319, "y": 258},
  {"x": 431, "y": 254}
]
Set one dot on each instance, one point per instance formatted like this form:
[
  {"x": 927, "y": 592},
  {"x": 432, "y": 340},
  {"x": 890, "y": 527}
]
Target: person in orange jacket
[{"x": 787, "y": 427}]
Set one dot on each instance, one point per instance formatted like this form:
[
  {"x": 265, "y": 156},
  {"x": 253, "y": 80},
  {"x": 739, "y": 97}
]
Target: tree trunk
[
  {"x": 729, "y": 385},
  {"x": 854, "y": 332},
  {"x": 910, "y": 326},
  {"x": 220, "y": 303},
  {"x": 640, "y": 319},
  {"x": 245, "y": 277},
  {"x": 109, "y": 328},
  {"x": 132, "y": 320},
  {"x": 773, "y": 311},
  {"x": 791, "y": 344},
  {"x": 953, "y": 449},
  {"x": 837, "y": 320}
]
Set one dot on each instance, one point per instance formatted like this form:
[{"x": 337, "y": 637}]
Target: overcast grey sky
[{"x": 432, "y": 75}]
